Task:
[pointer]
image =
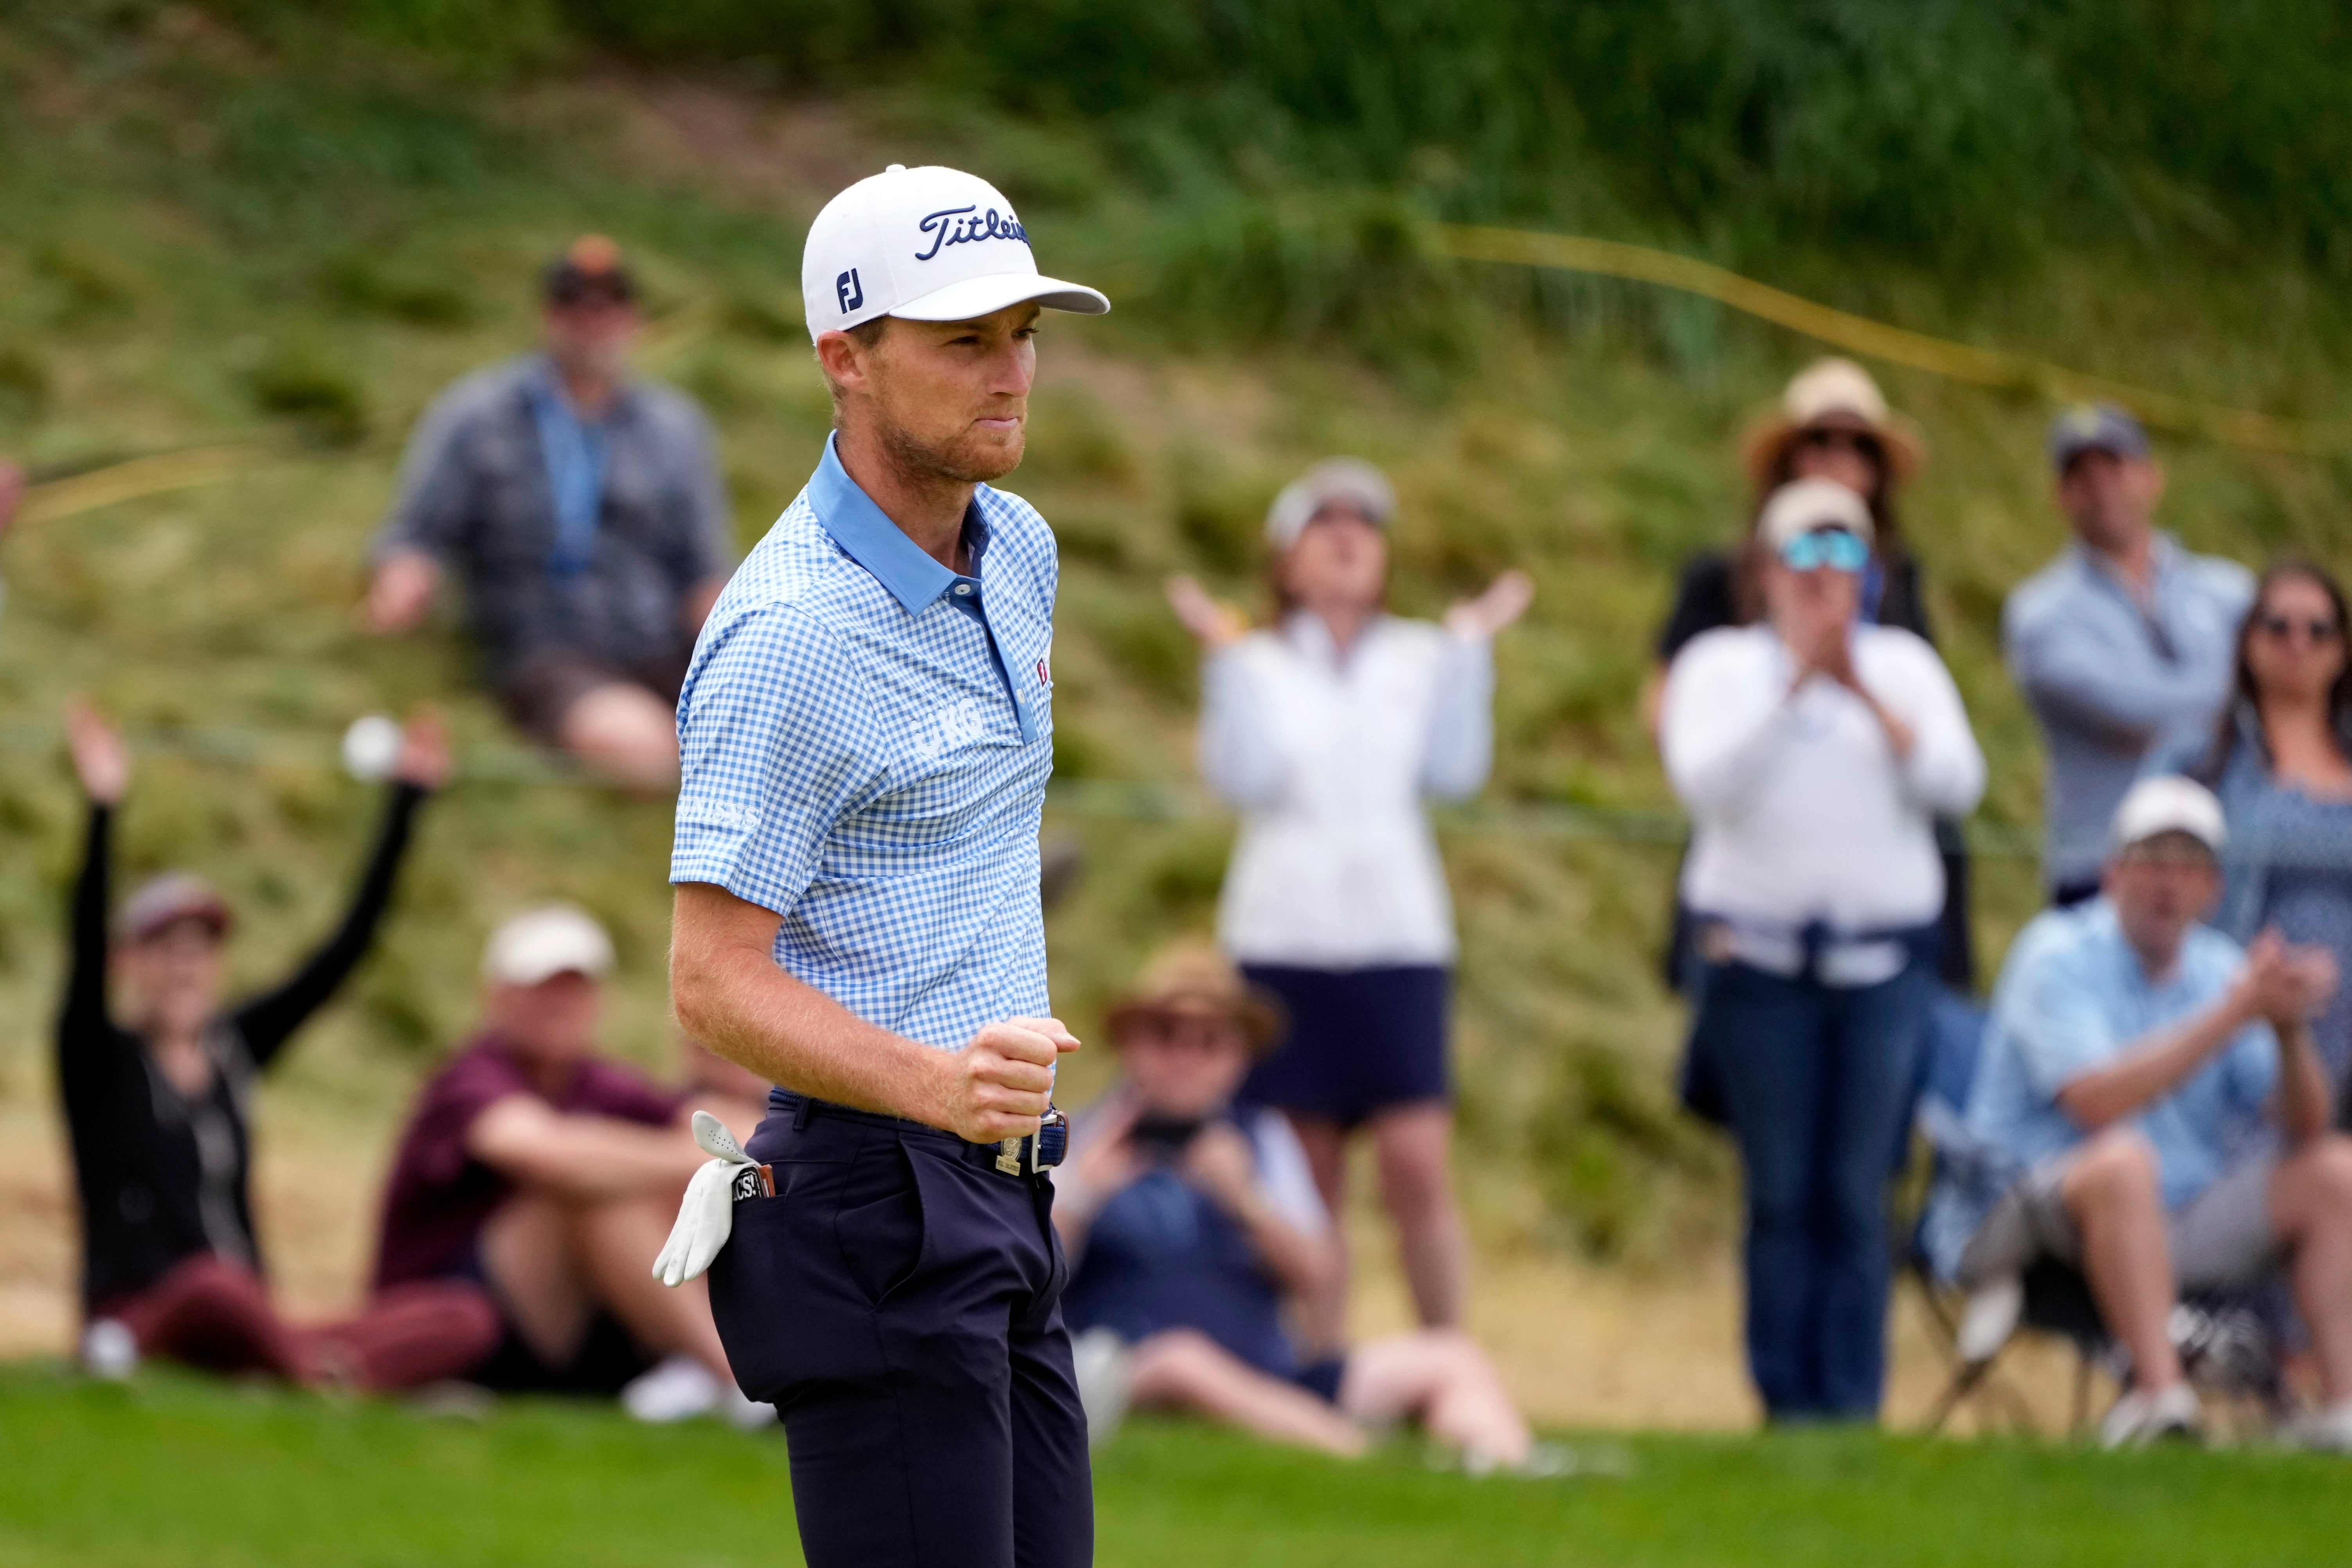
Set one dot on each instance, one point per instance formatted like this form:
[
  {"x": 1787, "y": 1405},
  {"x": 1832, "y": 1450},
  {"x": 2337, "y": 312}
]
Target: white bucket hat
[{"x": 930, "y": 245}]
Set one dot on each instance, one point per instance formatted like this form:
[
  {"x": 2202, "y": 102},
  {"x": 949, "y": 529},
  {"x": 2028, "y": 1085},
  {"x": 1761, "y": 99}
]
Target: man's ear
[{"x": 843, "y": 359}]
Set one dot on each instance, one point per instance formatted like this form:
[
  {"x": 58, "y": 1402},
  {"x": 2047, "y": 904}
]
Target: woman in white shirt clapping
[
  {"x": 1327, "y": 731},
  {"x": 1814, "y": 753}
]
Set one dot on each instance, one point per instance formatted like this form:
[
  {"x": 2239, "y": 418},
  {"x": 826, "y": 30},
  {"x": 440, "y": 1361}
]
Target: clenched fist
[{"x": 999, "y": 1085}]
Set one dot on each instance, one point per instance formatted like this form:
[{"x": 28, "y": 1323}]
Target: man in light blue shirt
[
  {"x": 2150, "y": 1096},
  {"x": 2123, "y": 643},
  {"x": 864, "y": 736}
]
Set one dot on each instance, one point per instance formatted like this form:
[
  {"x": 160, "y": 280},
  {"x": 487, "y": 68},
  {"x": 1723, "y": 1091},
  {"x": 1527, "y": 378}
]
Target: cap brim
[{"x": 977, "y": 297}]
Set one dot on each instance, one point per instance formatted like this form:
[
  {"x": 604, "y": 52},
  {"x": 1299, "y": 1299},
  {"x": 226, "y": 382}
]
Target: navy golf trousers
[{"x": 899, "y": 1301}]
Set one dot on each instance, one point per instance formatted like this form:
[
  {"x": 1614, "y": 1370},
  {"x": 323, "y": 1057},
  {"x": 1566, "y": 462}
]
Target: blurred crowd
[{"x": 2150, "y": 1105}]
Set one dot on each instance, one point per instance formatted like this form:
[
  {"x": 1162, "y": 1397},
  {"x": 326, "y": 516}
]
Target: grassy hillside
[{"x": 265, "y": 228}]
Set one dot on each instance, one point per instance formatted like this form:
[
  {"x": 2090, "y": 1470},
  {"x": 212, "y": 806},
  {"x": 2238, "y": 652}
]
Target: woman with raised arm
[
  {"x": 157, "y": 1104},
  {"x": 1327, "y": 731}
]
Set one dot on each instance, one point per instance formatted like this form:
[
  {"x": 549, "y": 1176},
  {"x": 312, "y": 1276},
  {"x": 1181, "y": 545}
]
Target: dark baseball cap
[
  {"x": 590, "y": 266},
  {"x": 2095, "y": 427}
]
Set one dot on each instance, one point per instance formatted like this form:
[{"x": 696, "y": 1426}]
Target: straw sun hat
[
  {"x": 1832, "y": 395},
  {"x": 1192, "y": 979}
]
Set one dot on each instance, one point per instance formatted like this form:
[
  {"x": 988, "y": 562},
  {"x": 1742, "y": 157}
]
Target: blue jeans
[{"x": 1819, "y": 1082}]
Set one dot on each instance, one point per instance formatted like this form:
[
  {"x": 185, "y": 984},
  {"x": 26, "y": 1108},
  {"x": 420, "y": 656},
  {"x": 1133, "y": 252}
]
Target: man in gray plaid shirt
[{"x": 584, "y": 513}]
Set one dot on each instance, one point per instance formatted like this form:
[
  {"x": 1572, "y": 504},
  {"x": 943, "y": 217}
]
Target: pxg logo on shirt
[
  {"x": 960, "y": 724},
  {"x": 962, "y": 225}
]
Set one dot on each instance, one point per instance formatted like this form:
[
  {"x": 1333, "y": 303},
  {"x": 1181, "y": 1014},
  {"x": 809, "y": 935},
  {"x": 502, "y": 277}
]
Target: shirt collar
[
  {"x": 542, "y": 383},
  {"x": 865, "y": 533}
]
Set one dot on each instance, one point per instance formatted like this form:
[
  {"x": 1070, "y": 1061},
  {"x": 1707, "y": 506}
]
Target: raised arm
[
  {"x": 103, "y": 764},
  {"x": 268, "y": 1020}
]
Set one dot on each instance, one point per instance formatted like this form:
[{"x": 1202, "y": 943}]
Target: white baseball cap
[
  {"x": 2170, "y": 805},
  {"x": 1803, "y": 504},
  {"x": 930, "y": 245},
  {"x": 544, "y": 942},
  {"x": 1349, "y": 479}
]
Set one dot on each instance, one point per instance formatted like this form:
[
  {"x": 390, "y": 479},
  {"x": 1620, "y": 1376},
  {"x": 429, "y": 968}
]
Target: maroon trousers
[{"x": 215, "y": 1315}]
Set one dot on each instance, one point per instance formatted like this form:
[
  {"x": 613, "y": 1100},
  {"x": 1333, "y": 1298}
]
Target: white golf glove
[{"x": 708, "y": 1215}]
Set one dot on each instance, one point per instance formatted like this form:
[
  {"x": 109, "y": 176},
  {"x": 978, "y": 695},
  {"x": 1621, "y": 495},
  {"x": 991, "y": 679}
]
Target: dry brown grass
[{"x": 1582, "y": 1345}]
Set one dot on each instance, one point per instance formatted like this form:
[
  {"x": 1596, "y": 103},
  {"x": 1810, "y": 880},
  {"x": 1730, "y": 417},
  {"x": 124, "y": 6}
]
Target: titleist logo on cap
[
  {"x": 945, "y": 230},
  {"x": 925, "y": 244}
]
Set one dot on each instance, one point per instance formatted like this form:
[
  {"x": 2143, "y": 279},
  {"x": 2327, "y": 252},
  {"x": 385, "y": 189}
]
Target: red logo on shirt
[{"x": 1044, "y": 676}]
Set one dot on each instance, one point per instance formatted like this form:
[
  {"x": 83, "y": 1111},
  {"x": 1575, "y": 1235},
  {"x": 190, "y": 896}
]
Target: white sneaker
[
  {"x": 2327, "y": 1431},
  {"x": 678, "y": 1389},
  {"x": 2138, "y": 1419},
  {"x": 1989, "y": 1318},
  {"x": 110, "y": 1351},
  {"x": 1106, "y": 1373}
]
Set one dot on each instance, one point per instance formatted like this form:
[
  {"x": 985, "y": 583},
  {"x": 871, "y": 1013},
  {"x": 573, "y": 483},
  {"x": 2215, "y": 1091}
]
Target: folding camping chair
[{"x": 2228, "y": 1343}]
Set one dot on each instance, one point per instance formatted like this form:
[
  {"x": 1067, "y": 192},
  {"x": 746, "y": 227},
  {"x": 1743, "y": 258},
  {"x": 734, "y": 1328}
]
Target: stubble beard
[{"x": 964, "y": 459}]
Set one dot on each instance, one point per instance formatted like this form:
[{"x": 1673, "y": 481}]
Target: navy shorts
[
  {"x": 899, "y": 1300},
  {"x": 1362, "y": 1041}
]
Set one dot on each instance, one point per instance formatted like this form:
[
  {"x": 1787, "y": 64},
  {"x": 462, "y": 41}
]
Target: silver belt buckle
[{"x": 1008, "y": 1155}]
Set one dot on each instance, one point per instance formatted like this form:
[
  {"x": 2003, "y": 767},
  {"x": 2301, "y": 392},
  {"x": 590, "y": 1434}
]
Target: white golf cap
[
  {"x": 1801, "y": 506},
  {"x": 2169, "y": 805},
  {"x": 544, "y": 942},
  {"x": 930, "y": 245},
  {"x": 1348, "y": 479}
]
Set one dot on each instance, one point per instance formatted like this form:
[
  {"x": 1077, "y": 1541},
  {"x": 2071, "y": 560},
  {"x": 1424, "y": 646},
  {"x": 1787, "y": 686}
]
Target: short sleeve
[
  {"x": 1287, "y": 1179},
  {"x": 776, "y": 744},
  {"x": 468, "y": 1087},
  {"x": 430, "y": 513},
  {"x": 2057, "y": 1023}
]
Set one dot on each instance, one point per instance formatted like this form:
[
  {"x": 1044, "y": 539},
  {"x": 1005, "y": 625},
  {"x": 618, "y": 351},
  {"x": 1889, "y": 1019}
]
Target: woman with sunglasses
[
  {"x": 2280, "y": 761},
  {"x": 1833, "y": 424},
  {"x": 1814, "y": 751}
]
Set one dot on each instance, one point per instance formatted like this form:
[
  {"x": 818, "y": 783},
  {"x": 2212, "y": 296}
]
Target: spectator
[
  {"x": 1327, "y": 731},
  {"x": 157, "y": 1113},
  {"x": 1193, "y": 1225},
  {"x": 2281, "y": 762},
  {"x": 2127, "y": 1066},
  {"x": 2121, "y": 644},
  {"x": 1813, "y": 752},
  {"x": 534, "y": 1168},
  {"x": 585, "y": 513},
  {"x": 1833, "y": 423}
]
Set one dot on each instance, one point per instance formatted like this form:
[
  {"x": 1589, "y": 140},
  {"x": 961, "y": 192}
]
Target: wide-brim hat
[
  {"x": 1832, "y": 395},
  {"x": 1195, "y": 977}
]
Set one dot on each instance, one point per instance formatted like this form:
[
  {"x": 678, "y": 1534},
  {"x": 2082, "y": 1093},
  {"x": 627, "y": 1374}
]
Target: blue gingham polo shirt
[{"x": 865, "y": 737}]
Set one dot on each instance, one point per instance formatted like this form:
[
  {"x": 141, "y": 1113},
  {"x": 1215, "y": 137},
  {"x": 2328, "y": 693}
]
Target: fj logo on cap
[
  {"x": 961, "y": 225},
  {"x": 848, "y": 290}
]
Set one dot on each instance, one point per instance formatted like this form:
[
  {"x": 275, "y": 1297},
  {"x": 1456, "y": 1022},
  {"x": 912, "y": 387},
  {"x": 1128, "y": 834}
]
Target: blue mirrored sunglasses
[{"x": 1837, "y": 549}]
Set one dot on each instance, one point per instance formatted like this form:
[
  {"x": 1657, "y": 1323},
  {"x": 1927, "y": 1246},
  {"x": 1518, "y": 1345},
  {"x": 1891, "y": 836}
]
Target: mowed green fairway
[{"x": 172, "y": 1472}]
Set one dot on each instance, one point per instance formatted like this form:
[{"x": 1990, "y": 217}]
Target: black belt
[{"x": 1025, "y": 1155}]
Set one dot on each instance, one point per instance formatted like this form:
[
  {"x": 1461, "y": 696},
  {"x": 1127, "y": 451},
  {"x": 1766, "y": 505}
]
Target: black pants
[{"x": 899, "y": 1300}]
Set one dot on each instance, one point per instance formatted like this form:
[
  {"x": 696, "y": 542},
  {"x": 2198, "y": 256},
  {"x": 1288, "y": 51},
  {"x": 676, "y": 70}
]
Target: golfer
[{"x": 866, "y": 733}]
